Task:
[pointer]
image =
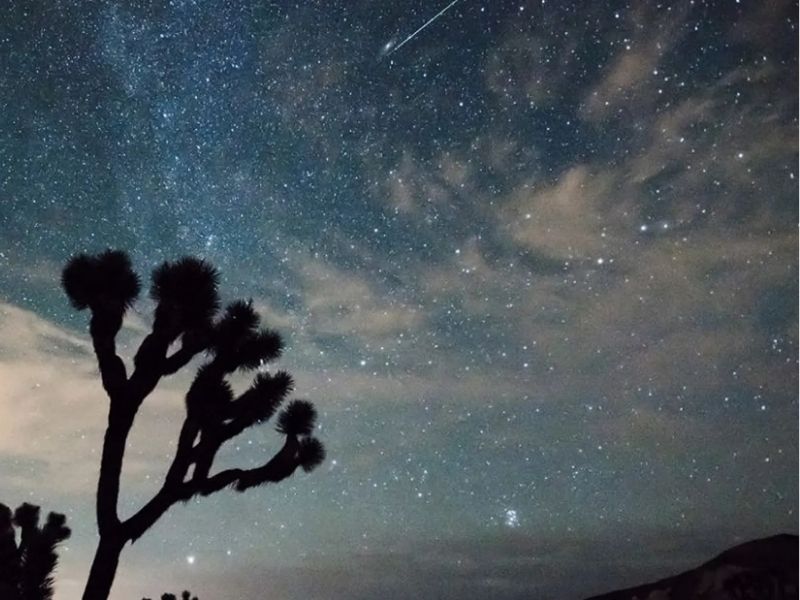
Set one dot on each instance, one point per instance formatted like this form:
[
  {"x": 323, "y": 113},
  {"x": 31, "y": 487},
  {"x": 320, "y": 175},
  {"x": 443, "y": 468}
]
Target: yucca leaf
[
  {"x": 103, "y": 281},
  {"x": 263, "y": 398},
  {"x": 311, "y": 453},
  {"x": 258, "y": 348},
  {"x": 189, "y": 287},
  {"x": 115, "y": 273},
  {"x": 298, "y": 418},
  {"x": 26, "y": 516},
  {"x": 240, "y": 316},
  {"x": 209, "y": 396},
  {"x": 78, "y": 281}
]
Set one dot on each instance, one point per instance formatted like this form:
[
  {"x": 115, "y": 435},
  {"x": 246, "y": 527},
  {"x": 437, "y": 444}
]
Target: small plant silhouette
[
  {"x": 185, "y": 595},
  {"x": 187, "y": 312},
  {"x": 26, "y": 571}
]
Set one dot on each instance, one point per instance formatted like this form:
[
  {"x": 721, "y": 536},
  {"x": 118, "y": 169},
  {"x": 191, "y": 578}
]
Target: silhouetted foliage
[
  {"x": 187, "y": 313},
  {"x": 99, "y": 281},
  {"x": 26, "y": 570},
  {"x": 185, "y": 595}
]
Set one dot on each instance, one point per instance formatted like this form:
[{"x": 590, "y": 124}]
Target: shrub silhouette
[
  {"x": 185, "y": 595},
  {"x": 26, "y": 571},
  {"x": 187, "y": 311}
]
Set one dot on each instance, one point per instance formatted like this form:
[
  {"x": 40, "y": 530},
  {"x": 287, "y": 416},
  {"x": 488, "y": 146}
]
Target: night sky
[{"x": 536, "y": 265}]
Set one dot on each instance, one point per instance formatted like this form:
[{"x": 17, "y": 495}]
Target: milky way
[{"x": 538, "y": 271}]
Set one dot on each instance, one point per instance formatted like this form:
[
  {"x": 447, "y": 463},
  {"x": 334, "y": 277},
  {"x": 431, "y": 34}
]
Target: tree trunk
[{"x": 104, "y": 567}]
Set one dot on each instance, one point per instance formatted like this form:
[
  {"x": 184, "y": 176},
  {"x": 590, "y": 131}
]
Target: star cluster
[{"x": 537, "y": 268}]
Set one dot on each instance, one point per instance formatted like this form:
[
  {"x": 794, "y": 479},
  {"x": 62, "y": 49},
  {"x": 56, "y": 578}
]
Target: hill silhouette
[{"x": 763, "y": 569}]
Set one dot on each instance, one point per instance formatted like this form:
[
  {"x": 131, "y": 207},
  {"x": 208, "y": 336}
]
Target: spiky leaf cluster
[
  {"x": 298, "y": 418},
  {"x": 36, "y": 559},
  {"x": 5, "y": 517},
  {"x": 186, "y": 292},
  {"x": 103, "y": 281},
  {"x": 238, "y": 320},
  {"x": 264, "y": 396},
  {"x": 238, "y": 343},
  {"x": 39, "y": 559},
  {"x": 26, "y": 517},
  {"x": 209, "y": 397},
  {"x": 311, "y": 453},
  {"x": 259, "y": 348}
]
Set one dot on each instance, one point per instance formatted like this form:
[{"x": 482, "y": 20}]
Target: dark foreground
[{"x": 765, "y": 569}]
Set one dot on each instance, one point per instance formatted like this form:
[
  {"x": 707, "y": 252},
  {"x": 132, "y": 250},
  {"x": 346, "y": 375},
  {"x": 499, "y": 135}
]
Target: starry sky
[{"x": 536, "y": 264}]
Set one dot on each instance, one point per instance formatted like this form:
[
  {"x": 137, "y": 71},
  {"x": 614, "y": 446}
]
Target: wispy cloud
[
  {"x": 630, "y": 82},
  {"x": 53, "y": 412}
]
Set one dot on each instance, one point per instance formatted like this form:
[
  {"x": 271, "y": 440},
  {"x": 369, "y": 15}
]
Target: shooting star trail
[{"x": 431, "y": 20}]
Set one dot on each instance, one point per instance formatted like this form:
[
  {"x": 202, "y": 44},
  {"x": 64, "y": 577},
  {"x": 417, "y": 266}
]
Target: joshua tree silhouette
[
  {"x": 187, "y": 309},
  {"x": 26, "y": 571}
]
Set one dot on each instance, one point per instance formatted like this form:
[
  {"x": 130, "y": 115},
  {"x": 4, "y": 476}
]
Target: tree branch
[
  {"x": 116, "y": 435},
  {"x": 183, "y": 455},
  {"x": 149, "y": 363},
  {"x": 178, "y": 360},
  {"x": 204, "y": 455},
  {"x": 173, "y": 490},
  {"x": 192, "y": 343},
  {"x": 151, "y": 512},
  {"x": 281, "y": 466},
  {"x": 103, "y": 327}
]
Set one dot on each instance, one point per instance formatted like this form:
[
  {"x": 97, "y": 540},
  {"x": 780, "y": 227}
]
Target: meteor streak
[{"x": 431, "y": 20}]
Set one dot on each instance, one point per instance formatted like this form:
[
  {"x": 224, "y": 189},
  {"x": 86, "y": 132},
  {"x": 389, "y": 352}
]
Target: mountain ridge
[{"x": 761, "y": 569}]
